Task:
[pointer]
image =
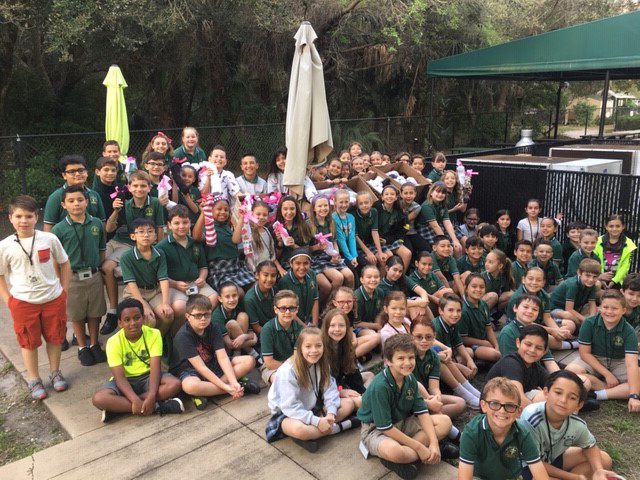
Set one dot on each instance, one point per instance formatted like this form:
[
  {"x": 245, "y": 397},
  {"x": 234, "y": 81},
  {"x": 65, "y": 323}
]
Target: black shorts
[
  {"x": 139, "y": 384},
  {"x": 192, "y": 372},
  {"x": 526, "y": 473}
]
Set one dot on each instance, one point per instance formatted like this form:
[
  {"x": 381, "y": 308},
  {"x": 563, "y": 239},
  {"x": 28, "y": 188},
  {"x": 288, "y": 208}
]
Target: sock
[
  {"x": 470, "y": 388},
  {"x": 253, "y": 353},
  {"x": 601, "y": 394},
  {"x": 463, "y": 393},
  {"x": 111, "y": 310},
  {"x": 564, "y": 345},
  {"x": 341, "y": 426},
  {"x": 453, "y": 433},
  {"x": 575, "y": 344}
]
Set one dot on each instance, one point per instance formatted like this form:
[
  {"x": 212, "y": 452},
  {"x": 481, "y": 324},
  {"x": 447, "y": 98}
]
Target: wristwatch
[{"x": 635, "y": 396}]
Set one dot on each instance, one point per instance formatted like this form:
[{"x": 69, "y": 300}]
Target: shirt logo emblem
[
  {"x": 95, "y": 231},
  {"x": 410, "y": 394},
  {"x": 618, "y": 341},
  {"x": 511, "y": 451},
  {"x": 148, "y": 212}
]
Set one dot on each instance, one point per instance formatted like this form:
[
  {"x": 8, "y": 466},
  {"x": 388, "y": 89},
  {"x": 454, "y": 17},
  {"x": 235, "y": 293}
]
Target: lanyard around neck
[{"x": 30, "y": 253}]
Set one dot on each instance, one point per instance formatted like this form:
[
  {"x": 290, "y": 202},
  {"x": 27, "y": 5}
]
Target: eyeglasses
[
  {"x": 344, "y": 302},
  {"x": 144, "y": 233},
  {"x": 287, "y": 309},
  {"x": 77, "y": 171},
  {"x": 199, "y": 316},
  {"x": 508, "y": 407},
  {"x": 155, "y": 164},
  {"x": 422, "y": 338}
]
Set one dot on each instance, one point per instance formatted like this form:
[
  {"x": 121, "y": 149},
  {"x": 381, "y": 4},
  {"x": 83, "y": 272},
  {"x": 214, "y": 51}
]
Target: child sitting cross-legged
[
  {"x": 473, "y": 261},
  {"x": 138, "y": 384},
  {"x": 444, "y": 265},
  {"x": 575, "y": 298},
  {"x": 430, "y": 283},
  {"x": 200, "y": 360},
  {"x": 304, "y": 399}
]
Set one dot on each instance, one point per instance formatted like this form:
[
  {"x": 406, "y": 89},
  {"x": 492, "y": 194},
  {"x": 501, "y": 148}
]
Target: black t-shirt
[
  {"x": 187, "y": 344},
  {"x": 513, "y": 367}
]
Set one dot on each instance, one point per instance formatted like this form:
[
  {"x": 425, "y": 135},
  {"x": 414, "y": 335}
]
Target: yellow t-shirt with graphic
[{"x": 135, "y": 357}]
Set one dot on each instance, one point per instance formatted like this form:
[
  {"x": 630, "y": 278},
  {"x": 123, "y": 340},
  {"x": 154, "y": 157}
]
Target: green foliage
[
  {"x": 42, "y": 179},
  {"x": 582, "y": 112},
  {"x": 628, "y": 122}
]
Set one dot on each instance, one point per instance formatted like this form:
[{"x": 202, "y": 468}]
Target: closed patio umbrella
[
  {"x": 308, "y": 128},
  {"x": 116, "y": 125}
]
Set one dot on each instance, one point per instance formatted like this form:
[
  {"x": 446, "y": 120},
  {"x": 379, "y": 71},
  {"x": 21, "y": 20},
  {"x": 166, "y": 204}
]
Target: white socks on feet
[
  {"x": 601, "y": 394},
  {"x": 453, "y": 433},
  {"x": 338, "y": 427},
  {"x": 470, "y": 388}
]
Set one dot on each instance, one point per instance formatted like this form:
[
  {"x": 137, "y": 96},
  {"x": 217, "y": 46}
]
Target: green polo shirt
[
  {"x": 194, "y": 193},
  {"x": 495, "y": 284},
  {"x": 220, "y": 316},
  {"x": 277, "y": 342},
  {"x": 386, "y": 220},
  {"x": 259, "y": 307},
  {"x": 542, "y": 296},
  {"x": 83, "y": 242},
  {"x": 384, "y": 403},
  {"x": 365, "y": 224},
  {"x": 197, "y": 156},
  {"x": 144, "y": 273},
  {"x": 224, "y": 248},
  {"x": 430, "y": 212},
  {"x": 557, "y": 251},
  {"x": 492, "y": 461},
  {"x": 633, "y": 318},
  {"x": 54, "y": 213},
  {"x": 369, "y": 306},
  {"x": 474, "y": 320},
  {"x": 431, "y": 283},
  {"x": 612, "y": 343},
  {"x": 183, "y": 263},
  {"x": 464, "y": 265},
  {"x": 552, "y": 275},
  {"x": 571, "y": 289},
  {"x": 150, "y": 210},
  {"x": 507, "y": 340},
  {"x": 517, "y": 271},
  {"x": 408, "y": 288},
  {"x": 447, "y": 266},
  {"x": 574, "y": 261},
  {"x": 427, "y": 367},
  {"x": 447, "y": 334},
  {"x": 435, "y": 175},
  {"x": 286, "y": 251},
  {"x": 306, "y": 290}
]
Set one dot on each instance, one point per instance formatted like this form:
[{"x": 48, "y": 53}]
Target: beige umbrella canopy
[{"x": 308, "y": 127}]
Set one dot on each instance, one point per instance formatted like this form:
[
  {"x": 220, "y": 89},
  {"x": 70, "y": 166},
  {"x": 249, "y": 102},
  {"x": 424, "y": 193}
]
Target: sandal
[
  {"x": 36, "y": 388},
  {"x": 58, "y": 381}
]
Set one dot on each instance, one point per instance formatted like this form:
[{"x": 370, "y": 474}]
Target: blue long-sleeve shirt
[{"x": 346, "y": 235}]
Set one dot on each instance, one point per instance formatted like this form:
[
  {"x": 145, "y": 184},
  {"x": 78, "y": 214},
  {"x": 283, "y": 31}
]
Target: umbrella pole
[
  {"x": 603, "y": 108},
  {"x": 433, "y": 79}
]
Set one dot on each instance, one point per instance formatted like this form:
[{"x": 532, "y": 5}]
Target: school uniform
[
  {"x": 575, "y": 259},
  {"x": 435, "y": 175},
  {"x": 286, "y": 251},
  {"x": 532, "y": 377},
  {"x": 567, "y": 250},
  {"x": 429, "y": 213},
  {"x": 464, "y": 265},
  {"x": 146, "y": 274},
  {"x": 507, "y": 340},
  {"x": 306, "y": 290},
  {"x": 474, "y": 320},
  {"x": 188, "y": 344},
  {"x": 543, "y": 296},
  {"x": 517, "y": 272},
  {"x": 552, "y": 275},
  {"x": 83, "y": 243},
  {"x": 447, "y": 334},
  {"x": 365, "y": 224},
  {"x": 405, "y": 285},
  {"x": 427, "y": 368},
  {"x": 194, "y": 194},
  {"x": 54, "y": 213},
  {"x": 447, "y": 265},
  {"x": 557, "y": 252},
  {"x": 220, "y": 316},
  {"x": 506, "y": 242},
  {"x": 573, "y": 290},
  {"x": 633, "y": 317},
  {"x": 391, "y": 227},
  {"x": 495, "y": 284},
  {"x": 320, "y": 261},
  {"x": 259, "y": 306},
  {"x": 224, "y": 260},
  {"x": 277, "y": 342},
  {"x": 255, "y": 186},
  {"x": 492, "y": 461},
  {"x": 194, "y": 158},
  {"x": 369, "y": 306},
  {"x": 430, "y": 283}
]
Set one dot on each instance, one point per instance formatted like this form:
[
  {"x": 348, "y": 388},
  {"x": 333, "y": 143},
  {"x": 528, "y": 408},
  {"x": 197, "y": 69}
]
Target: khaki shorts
[
  {"x": 175, "y": 294},
  {"x": 153, "y": 296},
  {"x": 115, "y": 250},
  {"x": 85, "y": 298},
  {"x": 615, "y": 366},
  {"x": 266, "y": 373},
  {"x": 371, "y": 437},
  {"x": 531, "y": 394}
]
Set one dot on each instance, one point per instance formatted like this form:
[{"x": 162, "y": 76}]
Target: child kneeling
[
  {"x": 304, "y": 400},
  {"x": 138, "y": 385}
]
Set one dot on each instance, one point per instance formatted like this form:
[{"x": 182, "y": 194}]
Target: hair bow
[{"x": 163, "y": 135}]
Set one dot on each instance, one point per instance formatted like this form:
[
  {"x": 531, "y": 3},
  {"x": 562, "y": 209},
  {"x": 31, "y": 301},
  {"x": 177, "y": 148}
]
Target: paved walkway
[{"x": 226, "y": 440}]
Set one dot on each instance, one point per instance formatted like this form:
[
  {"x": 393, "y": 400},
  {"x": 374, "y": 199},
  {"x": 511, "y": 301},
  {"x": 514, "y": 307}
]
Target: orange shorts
[{"x": 31, "y": 321}]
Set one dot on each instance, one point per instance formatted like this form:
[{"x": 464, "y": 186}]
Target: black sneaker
[
  {"x": 108, "y": 416},
  {"x": 86, "y": 357},
  {"x": 171, "y": 405},
  {"x": 200, "y": 402},
  {"x": 448, "y": 451},
  {"x": 310, "y": 446},
  {"x": 406, "y": 471},
  {"x": 98, "y": 354},
  {"x": 251, "y": 387},
  {"x": 65, "y": 345},
  {"x": 74, "y": 340},
  {"x": 110, "y": 324},
  {"x": 590, "y": 405}
]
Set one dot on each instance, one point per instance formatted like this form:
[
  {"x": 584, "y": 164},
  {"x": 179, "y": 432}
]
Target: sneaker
[
  {"x": 171, "y": 405},
  {"x": 65, "y": 345},
  {"x": 251, "y": 387},
  {"x": 86, "y": 357},
  {"x": 590, "y": 405},
  {"x": 474, "y": 403},
  {"x": 36, "y": 388},
  {"x": 310, "y": 446},
  {"x": 58, "y": 381},
  {"x": 110, "y": 324},
  {"x": 98, "y": 354},
  {"x": 448, "y": 451},
  {"x": 200, "y": 402},
  {"x": 108, "y": 416},
  {"x": 74, "y": 340},
  {"x": 406, "y": 471}
]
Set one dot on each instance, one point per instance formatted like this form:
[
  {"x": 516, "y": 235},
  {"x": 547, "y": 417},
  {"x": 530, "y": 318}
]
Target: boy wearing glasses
[
  {"x": 278, "y": 336},
  {"x": 494, "y": 444},
  {"x": 73, "y": 169},
  {"x": 200, "y": 360}
]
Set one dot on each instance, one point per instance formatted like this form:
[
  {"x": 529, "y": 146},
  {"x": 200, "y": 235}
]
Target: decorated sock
[
  {"x": 210, "y": 236},
  {"x": 473, "y": 390}
]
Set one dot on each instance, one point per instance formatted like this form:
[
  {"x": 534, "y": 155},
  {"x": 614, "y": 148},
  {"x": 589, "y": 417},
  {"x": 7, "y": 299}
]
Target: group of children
[{"x": 322, "y": 285}]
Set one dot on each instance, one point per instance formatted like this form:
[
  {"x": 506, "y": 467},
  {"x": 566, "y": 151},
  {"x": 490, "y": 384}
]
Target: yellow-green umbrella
[{"x": 116, "y": 125}]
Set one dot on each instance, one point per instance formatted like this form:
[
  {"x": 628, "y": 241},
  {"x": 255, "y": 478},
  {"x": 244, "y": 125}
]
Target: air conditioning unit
[
  {"x": 629, "y": 154},
  {"x": 592, "y": 165}
]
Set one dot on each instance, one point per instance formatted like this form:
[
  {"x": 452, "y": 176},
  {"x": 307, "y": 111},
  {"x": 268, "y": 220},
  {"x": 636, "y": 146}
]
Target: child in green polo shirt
[
  {"x": 190, "y": 148},
  {"x": 144, "y": 272},
  {"x": 82, "y": 237},
  {"x": 233, "y": 322},
  {"x": 302, "y": 280},
  {"x": 423, "y": 275},
  {"x": 571, "y": 242},
  {"x": 258, "y": 301},
  {"x": 393, "y": 223},
  {"x": 370, "y": 298},
  {"x": 396, "y": 425},
  {"x": 395, "y": 281},
  {"x": 433, "y": 219},
  {"x": 104, "y": 182},
  {"x": 278, "y": 336},
  {"x": 73, "y": 169},
  {"x": 444, "y": 265},
  {"x": 575, "y": 298},
  {"x": 438, "y": 164},
  {"x": 544, "y": 259},
  {"x": 473, "y": 261},
  {"x": 111, "y": 149},
  {"x": 588, "y": 241},
  {"x": 548, "y": 227},
  {"x": 367, "y": 238},
  {"x": 609, "y": 353},
  {"x": 631, "y": 292},
  {"x": 523, "y": 252},
  {"x": 141, "y": 205},
  {"x": 186, "y": 264},
  {"x": 489, "y": 236},
  {"x": 494, "y": 444},
  {"x": 499, "y": 280}
]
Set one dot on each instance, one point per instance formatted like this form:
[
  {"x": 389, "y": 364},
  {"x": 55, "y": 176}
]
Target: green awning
[{"x": 581, "y": 52}]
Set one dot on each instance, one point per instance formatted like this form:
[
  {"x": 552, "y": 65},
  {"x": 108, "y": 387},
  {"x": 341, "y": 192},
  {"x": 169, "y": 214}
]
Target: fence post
[
  {"x": 388, "y": 134},
  {"x": 21, "y": 164},
  {"x": 506, "y": 126}
]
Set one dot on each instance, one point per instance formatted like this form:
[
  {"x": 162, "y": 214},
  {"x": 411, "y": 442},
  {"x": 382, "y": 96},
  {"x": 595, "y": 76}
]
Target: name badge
[{"x": 85, "y": 274}]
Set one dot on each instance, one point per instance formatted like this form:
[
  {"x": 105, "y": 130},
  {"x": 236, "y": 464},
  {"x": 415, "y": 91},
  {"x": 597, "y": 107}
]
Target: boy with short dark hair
[
  {"x": 73, "y": 169},
  {"x": 396, "y": 425},
  {"x": 301, "y": 280},
  {"x": 489, "y": 236},
  {"x": 523, "y": 252},
  {"x": 37, "y": 299},
  {"x": 138, "y": 384},
  {"x": 494, "y": 445},
  {"x": 111, "y": 149},
  {"x": 200, "y": 360},
  {"x": 104, "y": 182},
  {"x": 575, "y": 298},
  {"x": 444, "y": 265},
  {"x": 473, "y": 261},
  {"x": 544, "y": 259},
  {"x": 631, "y": 292},
  {"x": 572, "y": 242},
  {"x": 588, "y": 241},
  {"x": 250, "y": 181},
  {"x": 82, "y": 237}
]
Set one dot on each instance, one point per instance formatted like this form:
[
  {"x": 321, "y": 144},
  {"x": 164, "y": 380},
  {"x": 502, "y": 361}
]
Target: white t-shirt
[
  {"x": 529, "y": 230},
  {"x": 32, "y": 281}
]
